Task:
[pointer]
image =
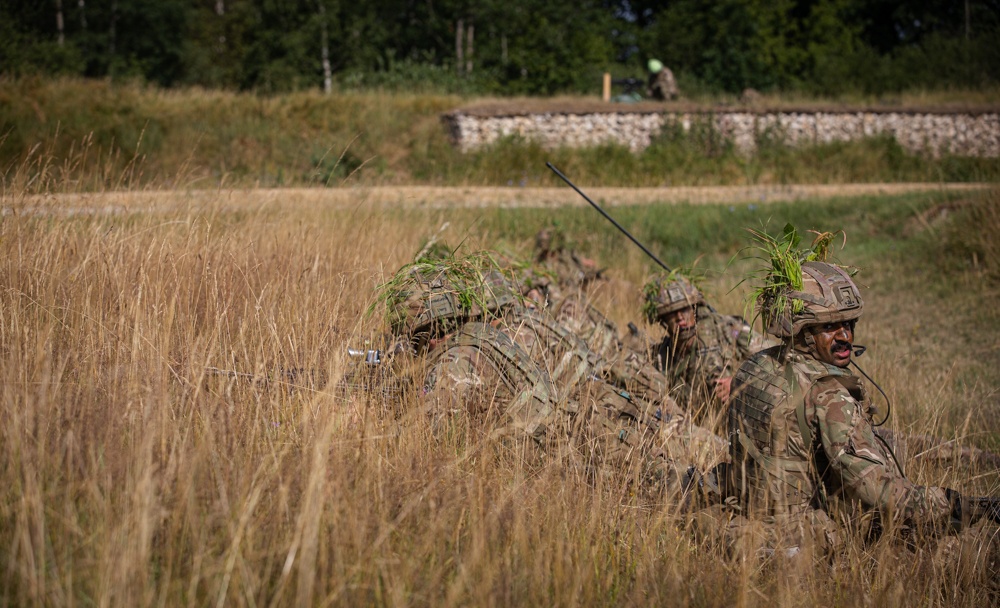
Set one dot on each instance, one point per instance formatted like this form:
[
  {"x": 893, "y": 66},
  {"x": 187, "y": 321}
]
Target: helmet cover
[
  {"x": 828, "y": 295},
  {"x": 669, "y": 293}
]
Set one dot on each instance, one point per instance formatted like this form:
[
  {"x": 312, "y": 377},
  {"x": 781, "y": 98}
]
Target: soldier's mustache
[{"x": 841, "y": 345}]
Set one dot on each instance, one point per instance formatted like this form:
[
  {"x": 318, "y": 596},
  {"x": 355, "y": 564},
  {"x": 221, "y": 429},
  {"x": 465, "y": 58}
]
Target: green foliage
[{"x": 476, "y": 281}]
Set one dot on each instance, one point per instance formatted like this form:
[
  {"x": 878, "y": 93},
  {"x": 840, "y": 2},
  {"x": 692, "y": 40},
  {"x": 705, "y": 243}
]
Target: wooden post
[
  {"x": 606, "y": 92},
  {"x": 459, "y": 41},
  {"x": 470, "y": 32},
  {"x": 324, "y": 50},
  {"x": 59, "y": 23}
]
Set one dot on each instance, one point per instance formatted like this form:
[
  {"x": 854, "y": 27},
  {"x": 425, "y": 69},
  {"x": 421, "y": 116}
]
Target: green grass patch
[{"x": 72, "y": 135}]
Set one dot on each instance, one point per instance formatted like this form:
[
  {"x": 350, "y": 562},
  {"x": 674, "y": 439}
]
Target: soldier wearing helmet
[
  {"x": 443, "y": 308},
  {"x": 661, "y": 85},
  {"x": 569, "y": 272},
  {"x": 801, "y": 437},
  {"x": 493, "y": 361},
  {"x": 700, "y": 349}
]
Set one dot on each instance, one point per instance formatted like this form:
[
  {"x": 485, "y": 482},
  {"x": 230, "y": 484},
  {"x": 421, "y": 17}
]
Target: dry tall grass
[{"x": 131, "y": 476}]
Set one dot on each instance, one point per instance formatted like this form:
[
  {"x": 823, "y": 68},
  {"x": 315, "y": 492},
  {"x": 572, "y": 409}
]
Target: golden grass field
[{"x": 129, "y": 475}]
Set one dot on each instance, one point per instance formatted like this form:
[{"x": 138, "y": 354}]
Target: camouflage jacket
[
  {"x": 801, "y": 438},
  {"x": 626, "y": 367},
  {"x": 721, "y": 343},
  {"x": 662, "y": 85},
  {"x": 480, "y": 372}
]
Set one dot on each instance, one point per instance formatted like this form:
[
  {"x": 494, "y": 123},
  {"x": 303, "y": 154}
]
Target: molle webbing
[
  {"x": 762, "y": 387},
  {"x": 535, "y": 397},
  {"x": 760, "y": 390},
  {"x": 576, "y": 360},
  {"x": 516, "y": 368}
]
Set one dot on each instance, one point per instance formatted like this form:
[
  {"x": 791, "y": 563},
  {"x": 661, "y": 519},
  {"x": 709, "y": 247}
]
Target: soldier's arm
[{"x": 861, "y": 470}]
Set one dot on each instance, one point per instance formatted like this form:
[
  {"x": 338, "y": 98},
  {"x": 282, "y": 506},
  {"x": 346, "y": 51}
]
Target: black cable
[
  {"x": 888, "y": 404},
  {"x": 860, "y": 350}
]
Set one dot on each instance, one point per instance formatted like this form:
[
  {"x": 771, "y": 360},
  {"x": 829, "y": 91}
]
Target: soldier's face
[
  {"x": 834, "y": 342},
  {"x": 680, "y": 323}
]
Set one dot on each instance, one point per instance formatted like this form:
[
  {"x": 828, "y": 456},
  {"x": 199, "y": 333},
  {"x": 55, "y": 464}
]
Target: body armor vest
[
  {"x": 581, "y": 372},
  {"x": 570, "y": 359},
  {"x": 774, "y": 455},
  {"x": 534, "y": 396}
]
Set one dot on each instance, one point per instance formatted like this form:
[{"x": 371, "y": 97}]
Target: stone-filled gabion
[{"x": 932, "y": 133}]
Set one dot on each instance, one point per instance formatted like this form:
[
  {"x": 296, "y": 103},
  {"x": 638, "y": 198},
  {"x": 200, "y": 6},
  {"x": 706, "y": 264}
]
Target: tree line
[{"x": 534, "y": 47}]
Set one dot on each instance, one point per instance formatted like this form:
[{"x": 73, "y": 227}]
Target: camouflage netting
[
  {"x": 430, "y": 298},
  {"x": 799, "y": 287}
]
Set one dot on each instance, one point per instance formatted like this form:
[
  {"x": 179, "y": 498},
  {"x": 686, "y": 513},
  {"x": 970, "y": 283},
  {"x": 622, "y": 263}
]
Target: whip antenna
[{"x": 608, "y": 217}]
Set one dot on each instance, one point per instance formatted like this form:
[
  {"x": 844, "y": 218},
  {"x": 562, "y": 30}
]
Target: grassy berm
[
  {"x": 71, "y": 135},
  {"x": 129, "y": 475}
]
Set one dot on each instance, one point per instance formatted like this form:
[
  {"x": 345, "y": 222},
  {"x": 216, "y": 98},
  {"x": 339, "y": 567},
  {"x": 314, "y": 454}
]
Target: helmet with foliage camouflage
[
  {"x": 669, "y": 293},
  {"x": 800, "y": 288},
  {"x": 432, "y": 298},
  {"x": 434, "y": 251},
  {"x": 827, "y": 295}
]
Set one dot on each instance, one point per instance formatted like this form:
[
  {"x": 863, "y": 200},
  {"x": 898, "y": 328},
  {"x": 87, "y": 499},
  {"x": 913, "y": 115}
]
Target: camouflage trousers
[
  {"x": 601, "y": 432},
  {"x": 808, "y": 533}
]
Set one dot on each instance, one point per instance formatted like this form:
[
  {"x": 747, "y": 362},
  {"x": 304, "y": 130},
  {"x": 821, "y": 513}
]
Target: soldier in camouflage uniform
[
  {"x": 701, "y": 349},
  {"x": 801, "y": 438},
  {"x": 584, "y": 375},
  {"x": 558, "y": 282},
  {"x": 661, "y": 85},
  {"x": 571, "y": 270},
  {"x": 485, "y": 371}
]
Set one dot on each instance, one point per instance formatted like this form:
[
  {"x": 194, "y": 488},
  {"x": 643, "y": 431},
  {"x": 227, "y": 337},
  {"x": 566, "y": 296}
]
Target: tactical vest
[
  {"x": 575, "y": 363},
  {"x": 771, "y": 437},
  {"x": 580, "y": 372},
  {"x": 534, "y": 401}
]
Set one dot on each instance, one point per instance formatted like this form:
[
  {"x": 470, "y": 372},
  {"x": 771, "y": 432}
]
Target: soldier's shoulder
[
  {"x": 827, "y": 392},
  {"x": 726, "y": 328},
  {"x": 768, "y": 360},
  {"x": 829, "y": 388}
]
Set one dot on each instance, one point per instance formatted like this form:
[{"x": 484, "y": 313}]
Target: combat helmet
[
  {"x": 801, "y": 288},
  {"x": 669, "y": 293},
  {"x": 432, "y": 298},
  {"x": 827, "y": 295},
  {"x": 554, "y": 253}
]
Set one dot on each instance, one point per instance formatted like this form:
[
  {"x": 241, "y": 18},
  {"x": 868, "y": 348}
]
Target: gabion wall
[{"x": 963, "y": 134}]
